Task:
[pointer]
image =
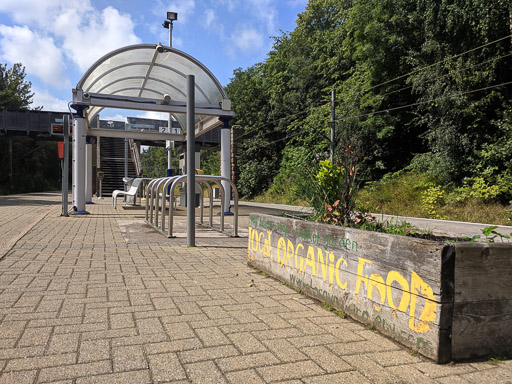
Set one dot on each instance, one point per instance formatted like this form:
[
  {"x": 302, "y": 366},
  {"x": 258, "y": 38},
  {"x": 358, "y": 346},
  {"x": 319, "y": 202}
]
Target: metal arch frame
[{"x": 157, "y": 219}]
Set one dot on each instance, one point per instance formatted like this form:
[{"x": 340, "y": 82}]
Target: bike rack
[{"x": 163, "y": 183}]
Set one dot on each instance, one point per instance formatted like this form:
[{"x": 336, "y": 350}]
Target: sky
[{"x": 58, "y": 40}]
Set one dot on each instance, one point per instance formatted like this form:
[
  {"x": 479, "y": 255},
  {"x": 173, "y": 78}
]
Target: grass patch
[{"x": 330, "y": 308}]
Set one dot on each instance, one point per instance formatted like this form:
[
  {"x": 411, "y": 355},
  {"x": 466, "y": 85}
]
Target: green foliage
[
  {"x": 431, "y": 199},
  {"x": 210, "y": 162},
  {"x": 15, "y": 92},
  {"x": 154, "y": 162},
  {"x": 419, "y": 86},
  {"x": 490, "y": 234},
  {"x": 255, "y": 176},
  {"x": 420, "y": 195},
  {"x": 35, "y": 164}
]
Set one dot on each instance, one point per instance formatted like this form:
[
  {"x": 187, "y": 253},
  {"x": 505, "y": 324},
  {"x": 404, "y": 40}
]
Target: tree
[
  {"x": 15, "y": 92},
  {"x": 35, "y": 164},
  {"x": 154, "y": 161}
]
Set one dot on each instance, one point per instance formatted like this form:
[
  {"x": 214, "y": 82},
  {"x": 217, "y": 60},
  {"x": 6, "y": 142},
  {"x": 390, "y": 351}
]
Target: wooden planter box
[{"x": 445, "y": 301}]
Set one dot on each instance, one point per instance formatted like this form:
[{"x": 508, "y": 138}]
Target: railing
[
  {"x": 156, "y": 203},
  {"x": 134, "y": 148}
]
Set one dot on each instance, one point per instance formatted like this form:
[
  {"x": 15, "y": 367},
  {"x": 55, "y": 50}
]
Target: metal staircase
[{"x": 112, "y": 163}]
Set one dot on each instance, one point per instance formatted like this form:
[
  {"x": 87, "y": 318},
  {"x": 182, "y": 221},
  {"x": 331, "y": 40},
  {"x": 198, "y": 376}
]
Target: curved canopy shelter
[{"x": 152, "y": 77}]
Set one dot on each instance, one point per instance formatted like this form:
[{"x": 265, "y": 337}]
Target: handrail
[{"x": 135, "y": 157}]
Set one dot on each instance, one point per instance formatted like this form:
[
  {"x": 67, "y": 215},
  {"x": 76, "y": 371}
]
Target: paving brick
[
  {"x": 249, "y": 376},
  {"x": 165, "y": 367},
  {"x": 149, "y": 326},
  {"x": 94, "y": 350},
  {"x": 246, "y": 342},
  {"x": 441, "y": 370},
  {"x": 210, "y": 353},
  {"x": 63, "y": 343},
  {"x": 277, "y": 333},
  {"x": 132, "y": 377},
  {"x": 16, "y": 353},
  {"x": 295, "y": 370},
  {"x": 338, "y": 378},
  {"x": 410, "y": 374},
  {"x": 74, "y": 371},
  {"x": 35, "y": 336},
  {"x": 354, "y": 348},
  {"x": 121, "y": 320},
  {"x": 389, "y": 358},
  {"x": 211, "y": 337},
  {"x": 284, "y": 351},
  {"x": 452, "y": 380},
  {"x": 109, "y": 334},
  {"x": 236, "y": 363},
  {"x": 493, "y": 375},
  {"x": 129, "y": 358},
  {"x": 370, "y": 369},
  {"x": 40, "y": 362},
  {"x": 12, "y": 329},
  {"x": 326, "y": 359},
  {"x": 177, "y": 331},
  {"x": 18, "y": 377},
  {"x": 173, "y": 346},
  {"x": 204, "y": 372}
]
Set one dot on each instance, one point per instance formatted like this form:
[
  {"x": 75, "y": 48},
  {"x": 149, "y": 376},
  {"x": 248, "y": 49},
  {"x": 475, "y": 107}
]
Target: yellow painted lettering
[
  {"x": 298, "y": 264},
  {"x": 404, "y": 301},
  {"x": 420, "y": 288},
  {"x": 337, "y": 271},
  {"x": 377, "y": 281},
  {"x": 268, "y": 242},
  {"x": 310, "y": 260},
  {"x": 331, "y": 269},
  {"x": 261, "y": 239},
  {"x": 249, "y": 243},
  {"x": 281, "y": 243},
  {"x": 290, "y": 252}
]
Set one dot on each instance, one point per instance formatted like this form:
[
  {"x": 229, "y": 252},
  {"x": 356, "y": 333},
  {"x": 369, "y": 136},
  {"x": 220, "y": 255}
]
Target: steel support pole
[
  {"x": 79, "y": 129},
  {"x": 191, "y": 162},
  {"x": 88, "y": 173},
  {"x": 333, "y": 126},
  {"x": 168, "y": 143},
  {"x": 225, "y": 163},
  {"x": 65, "y": 168}
]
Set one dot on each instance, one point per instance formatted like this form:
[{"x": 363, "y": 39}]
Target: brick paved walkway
[{"x": 83, "y": 300}]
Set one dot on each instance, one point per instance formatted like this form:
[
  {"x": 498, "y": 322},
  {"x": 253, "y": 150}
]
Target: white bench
[{"x": 131, "y": 192}]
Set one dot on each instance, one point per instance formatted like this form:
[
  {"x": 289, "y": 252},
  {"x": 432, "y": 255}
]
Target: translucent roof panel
[{"x": 150, "y": 71}]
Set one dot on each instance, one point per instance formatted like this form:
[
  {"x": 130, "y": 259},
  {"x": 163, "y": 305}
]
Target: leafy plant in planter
[{"x": 332, "y": 187}]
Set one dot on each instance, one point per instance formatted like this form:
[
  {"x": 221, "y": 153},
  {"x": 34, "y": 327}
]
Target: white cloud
[
  {"x": 97, "y": 34},
  {"x": 248, "y": 40},
  {"x": 116, "y": 117},
  {"x": 229, "y": 4},
  {"x": 265, "y": 11},
  {"x": 209, "y": 16},
  {"x": 37, "y": 53},
  {"x": 59, "y": 30},
  {"x": 42, "y": 98},
  {"x": 153, "y": 115}
]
